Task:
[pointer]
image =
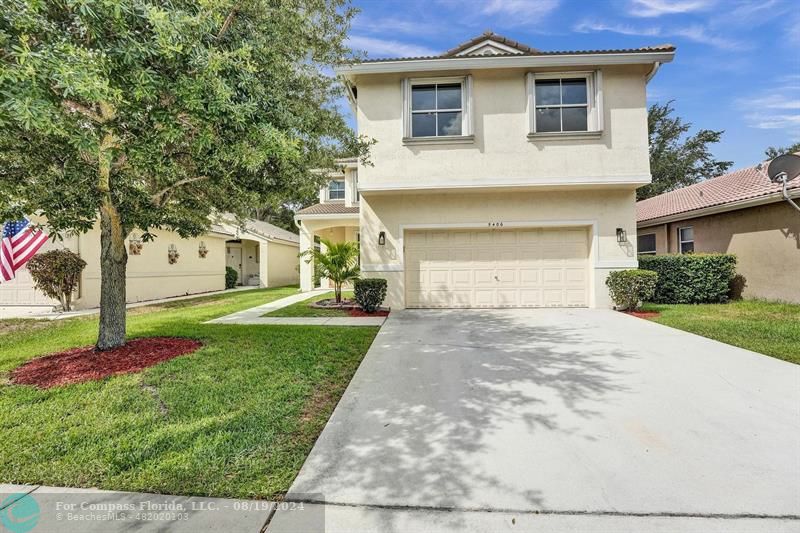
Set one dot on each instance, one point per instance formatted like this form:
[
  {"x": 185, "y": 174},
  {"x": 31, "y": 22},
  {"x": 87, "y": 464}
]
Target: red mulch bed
[
  {"x": 643, "y": 314},
  {"x": 86, "y": 364},
  {"x": 359, "y": 312}
]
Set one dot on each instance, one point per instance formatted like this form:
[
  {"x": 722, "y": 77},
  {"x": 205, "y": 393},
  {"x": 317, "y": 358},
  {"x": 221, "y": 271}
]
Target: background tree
[
  {"x": 774, "y": 151},
  {"x": 675, "y": 159},
  {"x": 159, "y": 114}
]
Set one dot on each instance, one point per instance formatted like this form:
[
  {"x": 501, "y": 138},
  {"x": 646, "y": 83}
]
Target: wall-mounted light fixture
[
  {"x": 134, "y": 244},
  {"x": 621, "y": 236},
  {"x": 172, "y": 254},
  {"x": 382, "y": 238}
]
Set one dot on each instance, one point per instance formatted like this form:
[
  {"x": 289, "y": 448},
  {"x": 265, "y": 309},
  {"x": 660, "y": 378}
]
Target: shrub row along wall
[{"x": 691, "y": 278}]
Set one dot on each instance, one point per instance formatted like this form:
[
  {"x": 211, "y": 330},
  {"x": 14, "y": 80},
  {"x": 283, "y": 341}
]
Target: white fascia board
[
  {"x": 327, "y": 216},
  {"x": 493, "y": 62},
  {"x": 715, "y": 209},
  {"x": 492, "y": 183}
]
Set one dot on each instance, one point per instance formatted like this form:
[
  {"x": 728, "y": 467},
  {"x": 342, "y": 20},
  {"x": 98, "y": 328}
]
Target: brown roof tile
[
  {"x": 329, "y": 209},
  {"x": 743, "y": 184}
]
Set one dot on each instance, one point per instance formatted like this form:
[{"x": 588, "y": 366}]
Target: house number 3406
[{"x": 495, "y": 224}]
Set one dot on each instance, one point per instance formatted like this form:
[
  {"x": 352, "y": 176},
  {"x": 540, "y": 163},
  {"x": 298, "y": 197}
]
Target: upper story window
[
  {"x": 646, "y": 244},
  {"x": 336, "y": 190},
  {"x": 437, "y": 109},
  {"x": 565, "y": 103},
  {"x": 686, "y": 240}
]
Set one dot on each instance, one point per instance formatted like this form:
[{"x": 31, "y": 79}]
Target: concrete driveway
[{"x": 564, "y": 412}]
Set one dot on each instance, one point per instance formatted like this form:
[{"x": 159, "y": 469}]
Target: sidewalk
[
  {"x": 254, "y": 315},
  {"x": 46, "y": 312},
  {"x": 42, "y": 509}
]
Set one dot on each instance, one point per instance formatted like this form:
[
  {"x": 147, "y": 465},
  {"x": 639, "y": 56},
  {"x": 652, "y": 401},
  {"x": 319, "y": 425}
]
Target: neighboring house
[
  {"x": 740, "y": 213},
  {"x": 262, "y": 254},
  {"x": 502, "y": 175},
  {"x": 155, "y": 271}
]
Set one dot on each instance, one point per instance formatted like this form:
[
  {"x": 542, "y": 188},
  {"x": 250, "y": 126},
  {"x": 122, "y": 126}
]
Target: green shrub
[
  {"x": 628, "y": 288},
  {"x": 230, "y": 277},
  {"x": 370, "y": 293},
  {"x": 691, "y": 278},
  {"x": 56, "y": 274}
]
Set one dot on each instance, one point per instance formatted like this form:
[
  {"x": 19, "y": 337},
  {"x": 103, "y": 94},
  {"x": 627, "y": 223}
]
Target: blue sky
[{"x": 737, "y": 67}]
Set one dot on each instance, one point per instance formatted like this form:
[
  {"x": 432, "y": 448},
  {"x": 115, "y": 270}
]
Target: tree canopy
[
  {"x": 158, "y": 114},
  {"x": 774, "y": 151},
  {"x": 678, "y": 160}
]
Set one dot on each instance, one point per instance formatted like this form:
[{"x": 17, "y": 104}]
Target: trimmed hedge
[
  {"x": 628, "y": 288},
  {"x": 230, "y": 277},
  {"x": 370, "y": 293},
  {"x": 691, "y": 278}
]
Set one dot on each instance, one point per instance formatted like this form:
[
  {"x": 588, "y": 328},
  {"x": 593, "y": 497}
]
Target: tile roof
[
  {"x": 271, "y": 231},
  {"x": 743, "y": 184},
  {"x": 523, "y": 50},
  {"x": 329, "y": 209}
]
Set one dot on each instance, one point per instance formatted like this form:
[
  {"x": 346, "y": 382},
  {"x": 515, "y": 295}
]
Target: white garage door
[
  {"x": 21, "y": 291},
  {"x": 531, "y": 267}
]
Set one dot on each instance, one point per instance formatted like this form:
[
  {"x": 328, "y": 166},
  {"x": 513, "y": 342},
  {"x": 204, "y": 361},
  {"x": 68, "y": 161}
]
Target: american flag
[{"x": 20, "y": 243}]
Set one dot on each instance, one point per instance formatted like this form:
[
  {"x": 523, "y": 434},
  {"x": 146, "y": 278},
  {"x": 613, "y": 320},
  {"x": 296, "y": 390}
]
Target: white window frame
[
  {"x": 681, "y": 242},
  {"x": 655, "y": 244},
  {"x": 466, "y": 106},
  {"x": 344, "y": 190},
  {"x": 594, "y": 101}
]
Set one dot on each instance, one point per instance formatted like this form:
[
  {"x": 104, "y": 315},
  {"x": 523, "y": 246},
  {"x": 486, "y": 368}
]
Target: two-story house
[{"x": 502, "y": 176}]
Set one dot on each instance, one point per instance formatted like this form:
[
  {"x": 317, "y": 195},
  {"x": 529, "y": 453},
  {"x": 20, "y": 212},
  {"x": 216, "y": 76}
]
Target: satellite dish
[{"x": 784, "y": 168}]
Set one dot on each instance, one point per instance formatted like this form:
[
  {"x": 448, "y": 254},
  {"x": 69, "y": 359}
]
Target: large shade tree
[
  {"x": 678, "y": 159},
  {"x": 157, "y": 114}
]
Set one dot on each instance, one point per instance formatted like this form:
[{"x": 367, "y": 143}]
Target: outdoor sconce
[
  {"x": 621, "y": 236},
  {"x": 134, "y": 244},
  {"x": 202, "y": 251},
  {"x": 382, "y": 238},
  {"x": 173, "y": 254}
]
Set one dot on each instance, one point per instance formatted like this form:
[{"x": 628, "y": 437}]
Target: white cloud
[
  {"x": 772, "y": 109},
  {"x": 695, "y": 33},
  {"x": 517, "y": 12},
  {"x": 376, "y": 47},
  {"x": 656, "y": 8}
]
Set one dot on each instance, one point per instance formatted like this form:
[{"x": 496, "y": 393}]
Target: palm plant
[{"x": 338, "y": 263}]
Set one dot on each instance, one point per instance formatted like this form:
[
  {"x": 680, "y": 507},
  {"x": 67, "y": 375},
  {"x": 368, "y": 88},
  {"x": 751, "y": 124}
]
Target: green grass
[
  {"x": 770, "y": 328},
  {"x": 236, "y": 418},
  {"x": 304, "y": 309}
]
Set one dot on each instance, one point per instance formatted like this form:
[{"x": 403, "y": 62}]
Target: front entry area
[{"x": 521, "y": 267}]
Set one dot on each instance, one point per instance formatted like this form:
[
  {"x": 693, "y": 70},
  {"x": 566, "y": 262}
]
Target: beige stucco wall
[
  {"x": 765, "y": 240},
  {"x": 602, "y": 210},
  {"x": 501, "y": 151},
  {"x": 149, "y": 275},
  {"x": 282, "y": 264}
]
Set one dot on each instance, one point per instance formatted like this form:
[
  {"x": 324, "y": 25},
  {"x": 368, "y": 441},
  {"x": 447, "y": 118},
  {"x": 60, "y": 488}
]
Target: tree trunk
[
  {"x": 113, "y": 259},
  {"x": 337, "y": 292}
]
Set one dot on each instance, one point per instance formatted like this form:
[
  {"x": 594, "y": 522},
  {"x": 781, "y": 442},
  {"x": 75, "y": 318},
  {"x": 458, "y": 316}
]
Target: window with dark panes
[
  {"x": 562, "y": 105},
  {"x": 646, "y": 244},
  {"x": 436, "y": 110},
  {"x": 336, "y": 190},
  {"x": 686, "y": 239}
]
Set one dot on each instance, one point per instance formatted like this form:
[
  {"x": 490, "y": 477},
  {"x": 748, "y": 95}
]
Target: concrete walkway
[
  {"x": 45, "y": 312},
  {"x": 463, "y": 420},
  {"x": 254, "y": 315},
  {"x": 66, "y": 510}
]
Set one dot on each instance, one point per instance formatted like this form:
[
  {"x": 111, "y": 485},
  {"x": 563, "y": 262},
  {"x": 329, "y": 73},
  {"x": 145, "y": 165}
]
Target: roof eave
[
  {"x": 495, "y": 62},
  {"x": 719, "y": 208}
]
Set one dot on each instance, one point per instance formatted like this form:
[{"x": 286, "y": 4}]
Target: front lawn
[
  {"x": 770, "y": 328},
  {"x": 303, "y": 308},
  {"x": 235, "y": 418}
]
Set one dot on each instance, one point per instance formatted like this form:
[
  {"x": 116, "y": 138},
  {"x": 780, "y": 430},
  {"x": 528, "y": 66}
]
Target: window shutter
[
  {"x": 598, "y": 100},
  {"x": 529, "y": 86},
  {"x": 405, "y": 87},
  {"x": 467, "y": 128}
]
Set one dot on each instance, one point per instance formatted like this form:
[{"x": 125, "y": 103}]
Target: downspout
[{"x": 652, "y": 72}]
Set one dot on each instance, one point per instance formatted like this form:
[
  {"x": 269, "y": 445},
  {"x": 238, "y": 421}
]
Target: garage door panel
[{"x": 528, "y": 267}]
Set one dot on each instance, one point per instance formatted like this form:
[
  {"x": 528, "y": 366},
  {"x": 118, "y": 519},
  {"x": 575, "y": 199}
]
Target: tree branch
[
  {"x": 228, "y": 20},
  {"x": 156, "y": 198}
]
